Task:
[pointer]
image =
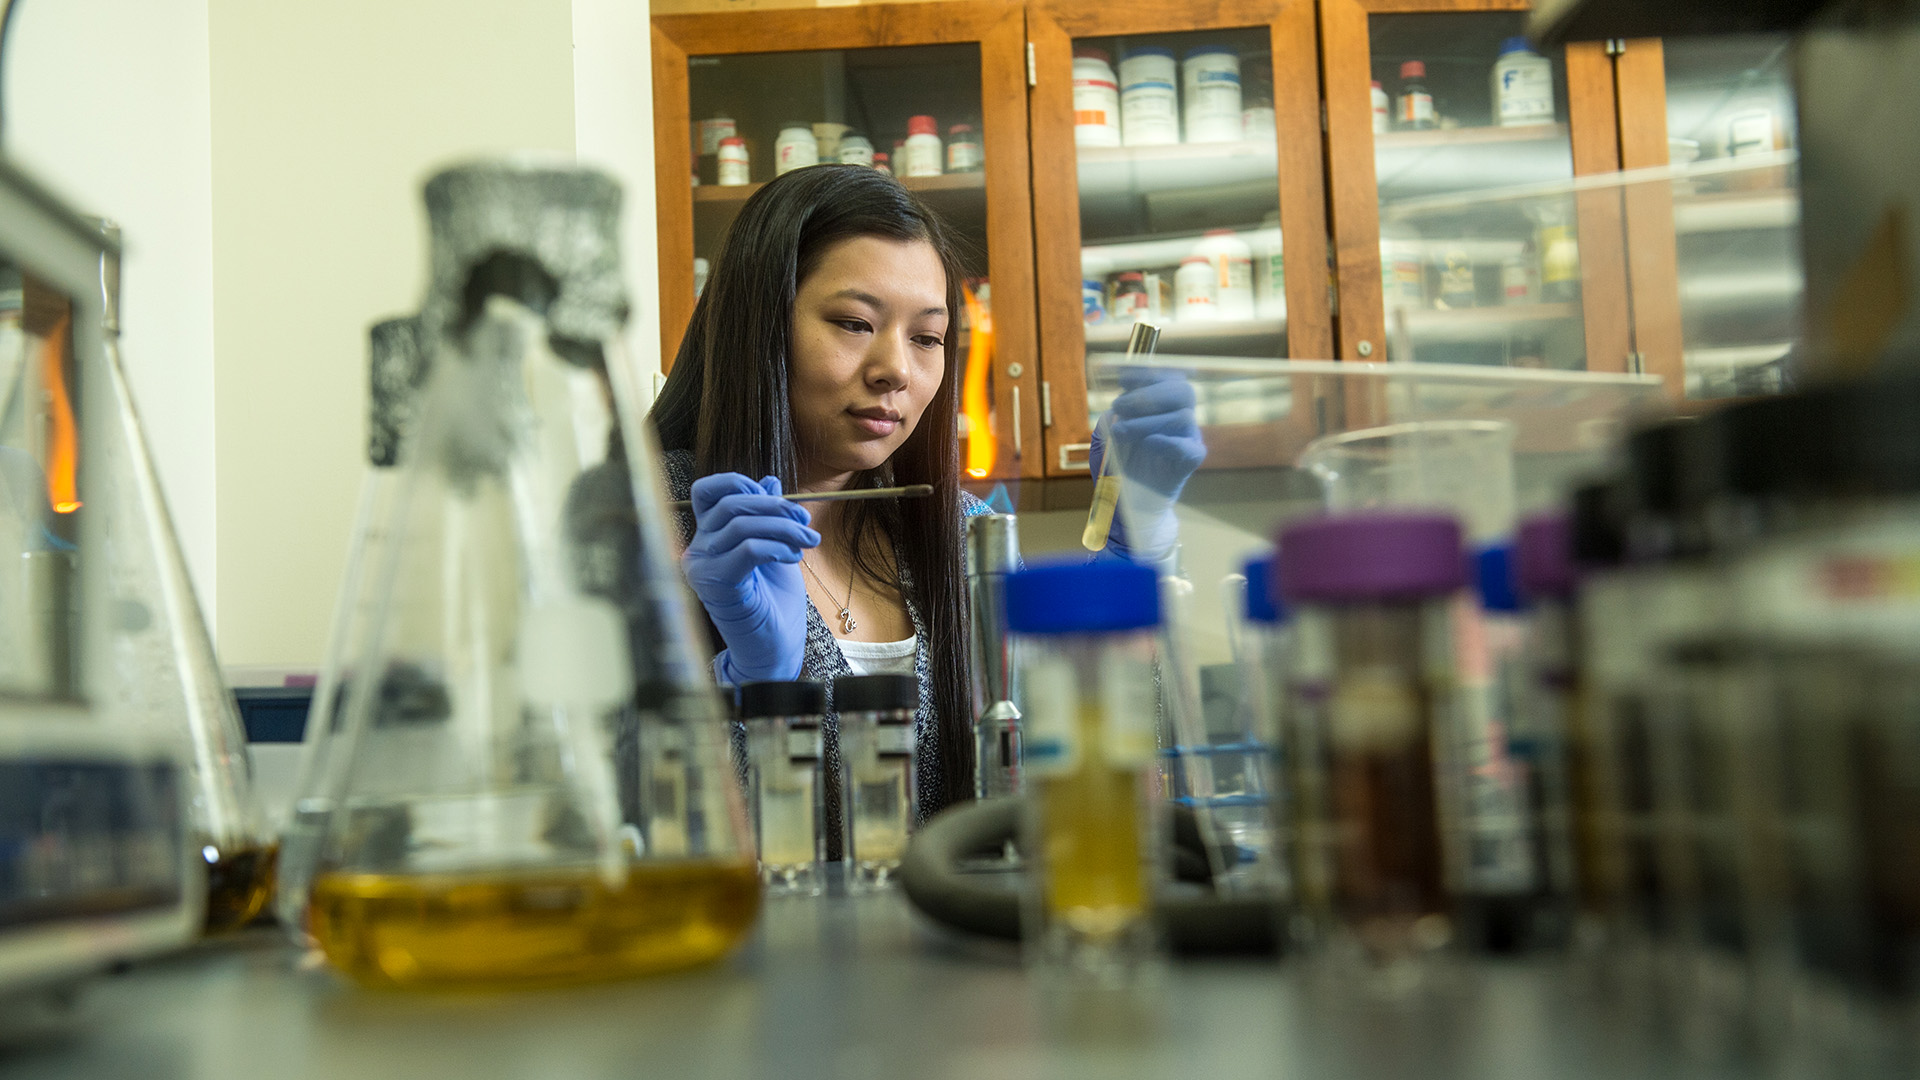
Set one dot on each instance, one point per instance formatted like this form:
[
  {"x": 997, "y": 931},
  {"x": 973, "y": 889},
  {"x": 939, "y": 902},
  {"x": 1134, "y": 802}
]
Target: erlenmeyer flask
[
  {"x": 532, "y": 782},
  {"x": 163, "y": 668},
  {"x": 396, "y": 374}
]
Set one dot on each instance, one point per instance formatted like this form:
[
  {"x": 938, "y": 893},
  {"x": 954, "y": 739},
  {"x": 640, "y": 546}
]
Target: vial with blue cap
[{"x": 1086, "y": 641}]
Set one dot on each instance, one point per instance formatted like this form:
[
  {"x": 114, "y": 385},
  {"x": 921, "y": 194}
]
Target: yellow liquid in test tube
[
  {"x": 1096, "y": 870},
  {"x": 532, "y": 928}
]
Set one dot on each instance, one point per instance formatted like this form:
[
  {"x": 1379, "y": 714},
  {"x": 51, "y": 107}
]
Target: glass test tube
[
  {"x": 1247, "y": 798},
  {"x": 1087, "y": 635},
  {"x": 784, "y": 754},
  {"x": 1375, "y": 600},
  {"x": 876, "y": 773}
]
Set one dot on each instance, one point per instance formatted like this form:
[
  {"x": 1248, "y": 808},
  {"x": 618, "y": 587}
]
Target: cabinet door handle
[{"x": 1070, "y": 449}]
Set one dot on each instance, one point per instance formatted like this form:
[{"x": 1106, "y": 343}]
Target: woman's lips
[{"x": 875, "y": 421}]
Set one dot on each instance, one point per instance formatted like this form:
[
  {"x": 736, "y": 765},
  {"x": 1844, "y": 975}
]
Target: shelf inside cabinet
[
  {"x": 1265, "y": 338},
  {"x": 1480, "y": 325},
  {"x": 1411, "y": 164},
  {"x": 1733, "y": 211},
  {"x": 1134, "y": 190},
  {"x": 959, "y": 198}
]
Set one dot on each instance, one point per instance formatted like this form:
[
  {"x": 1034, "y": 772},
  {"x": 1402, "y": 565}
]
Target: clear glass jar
[
  {"x": 1376, "y": 596},
  {"x": 876, "y": 773},
  {"x": 1086, "y": 635},
  {"x": 786, "y": 796}
]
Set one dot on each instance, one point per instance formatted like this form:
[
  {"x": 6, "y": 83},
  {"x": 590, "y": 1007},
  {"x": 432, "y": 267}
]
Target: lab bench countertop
[{"x": 837, "y": 987}]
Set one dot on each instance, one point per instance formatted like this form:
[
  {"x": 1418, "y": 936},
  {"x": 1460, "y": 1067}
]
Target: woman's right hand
[{"x": 743, "y": 564}]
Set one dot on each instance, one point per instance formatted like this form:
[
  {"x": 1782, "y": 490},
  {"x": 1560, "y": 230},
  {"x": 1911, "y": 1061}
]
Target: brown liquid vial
[
  {"x": 533, "y": 928},
  {"x": 239, "y": 883}
]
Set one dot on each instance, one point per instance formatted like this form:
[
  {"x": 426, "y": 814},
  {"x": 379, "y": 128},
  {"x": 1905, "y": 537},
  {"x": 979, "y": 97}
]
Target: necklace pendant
[{"x": 847, "y": 625}]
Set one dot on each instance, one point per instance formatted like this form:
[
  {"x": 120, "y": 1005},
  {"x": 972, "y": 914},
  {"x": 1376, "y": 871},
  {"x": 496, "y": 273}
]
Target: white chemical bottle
[
  {"x": 733, "y": 161},
  {"x": 1522, "y": 85},
  {"x": 1193, "y": 290},
  {"x": 1096, "y": 98},
  {"x": 1210, "y": 83},
  {"x": 855, "y": 149},
  {"x": 1149, "y": 102},
  {"x": 922, "y": 154},
  {"x": 796, "y": 148},
  {"x": 1232, "y": 261}
]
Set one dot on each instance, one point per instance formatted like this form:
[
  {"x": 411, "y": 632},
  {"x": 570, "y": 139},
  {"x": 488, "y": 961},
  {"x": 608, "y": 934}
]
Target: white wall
[
  {"x": 108, "y": 101},
  {"x": 327, "y": 116}
]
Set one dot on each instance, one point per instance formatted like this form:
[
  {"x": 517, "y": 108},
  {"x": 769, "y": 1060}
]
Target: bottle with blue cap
[
  {"x": 1086, "y": 638},
  {"x": 1248, "y": 765},
  {"x": 1501, "y": 878},
  {"x": 1522, "y": 86}
]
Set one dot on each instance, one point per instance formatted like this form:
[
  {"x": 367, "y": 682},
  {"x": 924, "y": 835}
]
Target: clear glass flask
[
  {"x": 396, "y": 374},
  {"x": 876, "y": 773},
  {"x": 784, "y": 782},
  {"x": 530, "y": 668},
  {"x": 1375, "y": 602},
  {"x": 1087, "y": 636},
  {"x": 164, "y": 670}
]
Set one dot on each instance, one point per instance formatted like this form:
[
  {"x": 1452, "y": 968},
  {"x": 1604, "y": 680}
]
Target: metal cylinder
[{"x": 993, "y": 551}]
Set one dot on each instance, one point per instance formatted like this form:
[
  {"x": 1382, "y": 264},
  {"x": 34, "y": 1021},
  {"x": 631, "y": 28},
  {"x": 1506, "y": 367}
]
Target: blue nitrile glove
[
  {"x": 743, "y": 564},
  {"x": 1152, "y": 425}
]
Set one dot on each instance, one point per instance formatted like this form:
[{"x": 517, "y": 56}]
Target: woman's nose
[{"x": 887, "y": 362}]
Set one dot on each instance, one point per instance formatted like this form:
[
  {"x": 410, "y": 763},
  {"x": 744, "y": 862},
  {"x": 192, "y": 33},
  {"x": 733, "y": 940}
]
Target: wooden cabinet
[
  {"x": 872, "y": 67},
  {"x": 1476, "y": 227}
]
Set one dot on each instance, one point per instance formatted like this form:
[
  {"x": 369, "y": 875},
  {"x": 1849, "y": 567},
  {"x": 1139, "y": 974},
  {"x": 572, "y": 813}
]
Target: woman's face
[{"x": 869, "y": 351}]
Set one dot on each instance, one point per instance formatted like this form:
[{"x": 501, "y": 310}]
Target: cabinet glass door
[
  {"x": 1461, "y": 106},
  {"x": 1736, "y": 210}
]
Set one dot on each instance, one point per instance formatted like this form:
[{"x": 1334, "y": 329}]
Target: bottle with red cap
[
  {"x": 921, "y": 154},
  {"x": 1414, "y": 109},
  {"x": 882, "y": 162}
]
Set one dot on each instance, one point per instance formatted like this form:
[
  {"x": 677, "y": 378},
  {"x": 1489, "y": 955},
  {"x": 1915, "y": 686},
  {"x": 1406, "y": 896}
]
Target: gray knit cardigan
[{"x": 824, "y": 661}]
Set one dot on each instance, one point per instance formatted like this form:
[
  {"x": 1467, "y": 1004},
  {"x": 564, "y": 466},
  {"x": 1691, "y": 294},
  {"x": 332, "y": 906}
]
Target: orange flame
[
  {"x": 983, "y": 448},
  {"x": 63, "y": 442}
]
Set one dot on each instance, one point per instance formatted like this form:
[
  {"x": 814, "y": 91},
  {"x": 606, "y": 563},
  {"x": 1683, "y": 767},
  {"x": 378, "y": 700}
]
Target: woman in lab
[{"x": 823, "y": 356}]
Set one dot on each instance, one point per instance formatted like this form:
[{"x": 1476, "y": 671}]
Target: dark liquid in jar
[{"x": 239, "y": 882}]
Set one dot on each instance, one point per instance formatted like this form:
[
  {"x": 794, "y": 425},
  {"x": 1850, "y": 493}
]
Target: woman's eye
[
  {"x": 853, "y": 326},
  {"x": 929, "y": 341}
]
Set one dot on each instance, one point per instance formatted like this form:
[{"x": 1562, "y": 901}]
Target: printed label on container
[
  {"x": 893, "y": 740},
  {"x": 1050, "y": 724},
  {"x": 1127, "y": 696},
  {"x": 1416, "y": 108}
]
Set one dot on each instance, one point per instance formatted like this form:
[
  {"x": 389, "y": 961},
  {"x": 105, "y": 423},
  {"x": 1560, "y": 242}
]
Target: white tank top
[{"x": 880, "y": 657}]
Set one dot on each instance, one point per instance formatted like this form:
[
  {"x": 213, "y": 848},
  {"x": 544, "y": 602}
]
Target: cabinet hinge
[
  {"x": 1046, "y": 404},
  {"x": 1616, "y": 46},
  {"x": 1636, "y": 364},
  {"x": 1033, "y": 70}
]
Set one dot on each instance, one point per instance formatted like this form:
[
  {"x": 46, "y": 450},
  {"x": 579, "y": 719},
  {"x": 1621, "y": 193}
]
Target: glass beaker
[
  {"x": 1464, "y": 467},
  {"x": 530, "y": 677},
  {"x": 396, "y": 373},
  {"x": 876, "y": 773},
  {"x": 164, "y": 671},
  {"x": 1087, "y": 643}
]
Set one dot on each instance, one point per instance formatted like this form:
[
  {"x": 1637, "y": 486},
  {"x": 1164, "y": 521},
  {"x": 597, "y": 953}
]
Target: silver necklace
[{"x": 847, "y": 624}]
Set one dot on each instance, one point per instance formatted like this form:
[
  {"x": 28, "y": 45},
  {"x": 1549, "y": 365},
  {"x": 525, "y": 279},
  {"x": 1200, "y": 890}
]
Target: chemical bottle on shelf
[
  {"x": 963, "y": 149},
  {"x": 1096, "y": 98},
  {"x": 1559, "y": 251},
  {"x": 1415, "y": 111},
  {"x": 1149, "y": 101},
  {"x": 1194, "y": 288},
  {"x": 796, "y": 148},
  {"x": 1270, "y": 270},
  {"x": 1232, "y": 261},
  {"x": 1522, "y": 85},
  {"x": 1402, "y": 270},
  {"x": 1516, "y": 279},
  {"x": 922, "y": 148},
  {"x": 855, "y": 149},
  {"x": 1381, "y": 108},
  {"x": 1129, "y": 303},
  {"x": 1257, "y": 121},
  {"x": 1210, "y": 84},
  {"x": 710, "y": 134},
  {"x": 1453, "y": 266},
  {"x": 881, "y": 162},
  {"x": 734, "y": 167}
]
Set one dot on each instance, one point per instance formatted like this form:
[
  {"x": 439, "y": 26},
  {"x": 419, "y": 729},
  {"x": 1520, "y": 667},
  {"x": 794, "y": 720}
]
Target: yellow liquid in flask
[
  {"x": 535, "y": 927},
  {"x": 1096, "y": 869}
]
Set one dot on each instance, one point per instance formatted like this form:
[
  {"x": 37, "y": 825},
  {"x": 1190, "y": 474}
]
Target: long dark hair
[{"x": 726, "y": 400}]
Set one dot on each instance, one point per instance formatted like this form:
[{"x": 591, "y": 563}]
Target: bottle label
[
  {"x": 1416, "y": 108},
  {"x": 732, "y": 173},
  {"x": 1525, "y": 94},
  {"x": 962, "y": 156},
  {"x": 1559, "y": 255},
  {"x": 1128, "y": 699},
  {"x": 1050, "y": 725}
]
